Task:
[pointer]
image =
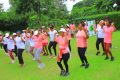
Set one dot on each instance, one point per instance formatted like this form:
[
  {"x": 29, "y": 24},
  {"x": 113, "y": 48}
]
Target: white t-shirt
[
  {"x": 4, "y": 40},
  {"x": 100, "y": 32},
  {"x": 19, "y": 43},
  {"x": 31, "y": 41},
  {"x": 52, "y": 35},
  {"x": 10, "y": 43}
]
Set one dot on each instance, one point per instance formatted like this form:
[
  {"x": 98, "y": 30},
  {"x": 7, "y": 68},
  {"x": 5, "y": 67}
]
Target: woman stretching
[
  {"x": 82, "y": 37},
  {"x": 64, "y": 53}
]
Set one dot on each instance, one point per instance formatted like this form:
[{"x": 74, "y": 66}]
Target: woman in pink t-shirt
[
  {"x": 38, "y": 48},
  {"x": 108, "y": 29},
  {"x": 68, "y": 35},
  {"x": 64, "y": 53},
  {"x": 45, "y": 42},
  {"x": 31, "y": 44},
  {"x": 81, "y": 38},
  {"x": 1, "y": 39}
]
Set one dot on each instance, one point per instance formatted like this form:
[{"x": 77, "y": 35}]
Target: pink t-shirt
[
  {"x": 62, "y": 44},
  {"x": 108, "y": 34},
  {"x": 45, "y": 38},
  {"x": 38, "y": 42},
  {"x": 86, "y": 27},
  {"x": 72, "y": 26},
  {"x": 68, "y": 34},
  {"x": 1, "y": 38},
  {"x": 81, "y": 39}
]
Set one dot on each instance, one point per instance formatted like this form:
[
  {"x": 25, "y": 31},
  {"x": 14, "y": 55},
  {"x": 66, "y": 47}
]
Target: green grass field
[{"x": 99, "y": 68}]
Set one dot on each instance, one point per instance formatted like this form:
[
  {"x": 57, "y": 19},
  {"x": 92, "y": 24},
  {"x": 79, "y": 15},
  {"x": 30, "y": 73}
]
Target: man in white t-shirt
[{"x": 52, "y": 43}]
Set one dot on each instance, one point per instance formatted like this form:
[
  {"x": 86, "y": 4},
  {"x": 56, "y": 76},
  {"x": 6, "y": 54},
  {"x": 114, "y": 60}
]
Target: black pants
[
  {"x": 20, "y": 58},
  {"x": 5, "y": 47},
  {"x": 100, "y": 40},
  {"x": 69, "y": 46},
  {"x": 52, "y": 44},
  {"x": 65, "y": 58},
  {"x": 15, "y": 50},
  {"x": 81, "y": 52}
]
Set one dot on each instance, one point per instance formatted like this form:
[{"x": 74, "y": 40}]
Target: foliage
[{"x": 114, "y": 16}]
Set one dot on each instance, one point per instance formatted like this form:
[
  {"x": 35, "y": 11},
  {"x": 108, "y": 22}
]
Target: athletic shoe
[
  {"x": 54, "y": 56},
  {"x": 97, "y": 53},
  {"x": 86, "y": 66},
  {"x": 34, "y": 59},
  {"x": 13, "y": 62},
  {"x": 82, "y": 65},
  {"x": 66, "y": 74},
  {"x": 62, "y": 73},
  {"x": 51, "y": 56},
  {"x": 41, "y": 66},
  {"x": 103, "y": 54},
  {"x": 106, "y": 58},
  {"x": 112, "y": 59}
]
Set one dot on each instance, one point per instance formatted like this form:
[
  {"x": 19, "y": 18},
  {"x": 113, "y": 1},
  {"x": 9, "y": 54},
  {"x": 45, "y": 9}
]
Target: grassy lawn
[{"x": 99, "y": 68}]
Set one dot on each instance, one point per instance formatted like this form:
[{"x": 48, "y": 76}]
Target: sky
[{"x": 69, "y": 4}]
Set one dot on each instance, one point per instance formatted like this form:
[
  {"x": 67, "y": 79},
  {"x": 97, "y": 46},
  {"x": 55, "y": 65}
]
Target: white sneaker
[
  {"x": 33, "y": 59},
  {"x": 50, "y": 56},
  {"x": 41, "y": 66},
  {"x": 13, "y": 62}
]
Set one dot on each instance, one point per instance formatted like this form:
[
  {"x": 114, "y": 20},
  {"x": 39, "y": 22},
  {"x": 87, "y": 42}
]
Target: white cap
[
  {"x": 14, "y": 34},
  {"x": 62, "y": 30},
  {"x": 43, "y": 26},
  {"x": 7, "y": 34},
  {"x": 36, "y": 32},
  {"x": 0, "y": 33},
  {"x": 67, "y": 25}
]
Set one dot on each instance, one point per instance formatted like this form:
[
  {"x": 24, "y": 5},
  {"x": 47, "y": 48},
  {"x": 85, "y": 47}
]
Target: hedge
[{"x": 114, "y": 16}]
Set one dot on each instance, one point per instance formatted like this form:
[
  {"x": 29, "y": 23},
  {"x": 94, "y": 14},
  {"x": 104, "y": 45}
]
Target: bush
[{"x": 114, "y": 16}]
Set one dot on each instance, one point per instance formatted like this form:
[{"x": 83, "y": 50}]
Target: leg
[
  {"x": 5, "y": 48},
  {"x": 54, "y": 48},
  {"x": 15, "y": 50},
  {"x": 108, "y": 49},
  {"x": 60, "y": 65},
  {"x": 83, "y": 54},
  {"x": 65, "y": 59},
  {"x": 11, "y": 55},
  {"x": 97, "y": 46},
  {"x": 69, "y": 46},
  {"x": 46, "y": 50},
  {"x": 79, "y": 52},
  {"x": 49, "y": 48},
  {"x": 20, "y": 58}
]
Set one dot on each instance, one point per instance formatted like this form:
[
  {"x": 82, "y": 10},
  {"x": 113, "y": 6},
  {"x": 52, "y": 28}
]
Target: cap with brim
[
  {"x": 7, "y": 34},
  {"x": 62, "y": 30},
  {"x": 14, "y": 34},
  {"x": 36, "y": 32},
  {"x": 43, "y": 26},
  {"x": 67, "y": 25}
]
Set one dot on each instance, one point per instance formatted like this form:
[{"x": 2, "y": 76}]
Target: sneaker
[
  {"x": 13, "y": 62},
  {"x": 50, "y": 56},
  {"x": 112, "y": 58},
  {"x": 82, "y": 65},
  {"x": 97, "y": 53},
  {"x": 62, "y": 73},
  {"x": 103, "y": 54},
  {"x": 66, "y": 74},
  {"x": 106, "y": 58},
  {"x": 54, "y": 56},
  {"x": 41, "y": 66},
  {"x": 86, "y": 66},
  {"x": 33, "y": 59}
]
